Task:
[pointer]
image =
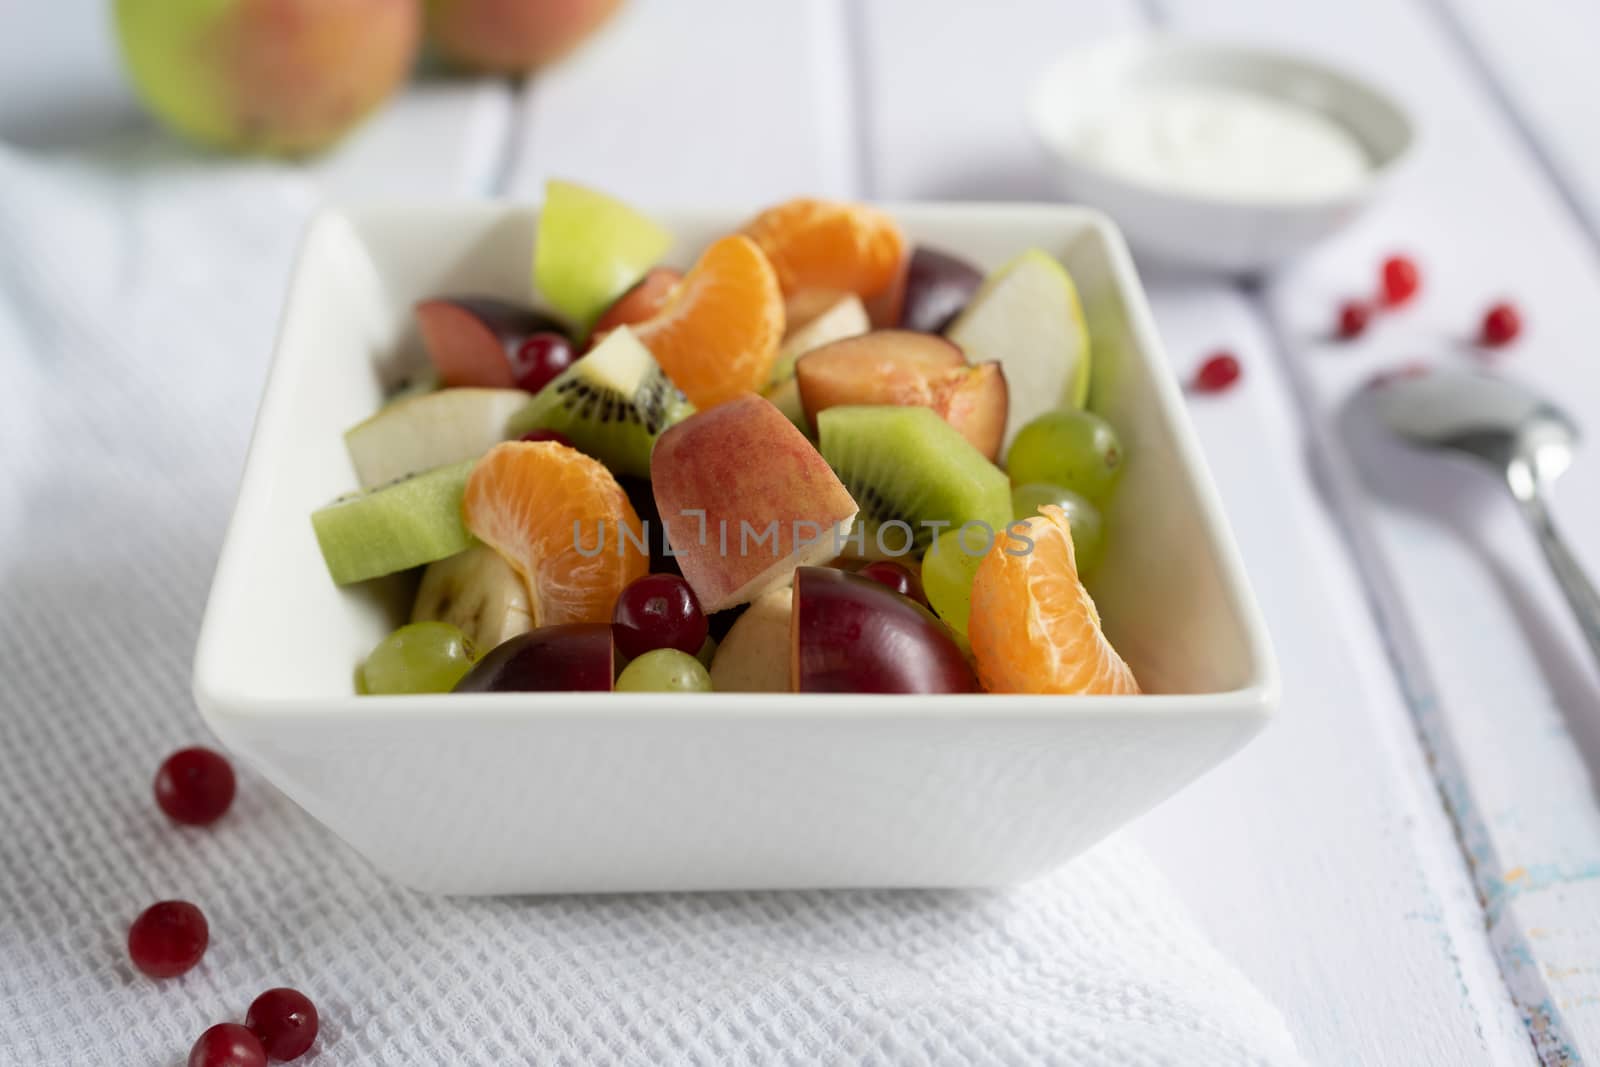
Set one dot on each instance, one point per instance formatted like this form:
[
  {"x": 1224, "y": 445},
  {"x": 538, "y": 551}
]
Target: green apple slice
[
  {"x": 591, "y": 249},
  {"x": 1026, "y": 316},
  {"x": 419, "y": 433}
]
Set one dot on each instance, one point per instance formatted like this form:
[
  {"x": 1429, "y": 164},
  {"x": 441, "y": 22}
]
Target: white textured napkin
[{"x": 137, "y": 301}]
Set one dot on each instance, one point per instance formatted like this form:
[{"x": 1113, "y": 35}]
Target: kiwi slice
[
  {"x": 395, "y": 527},
  {"x": 612, "y": 404},
  {"x": 907, "y": 465}
]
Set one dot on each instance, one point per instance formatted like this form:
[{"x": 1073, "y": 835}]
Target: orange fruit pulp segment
[
  {"x": 557, "y": 516},
  {"x": 1034, "y": 628},
  {"x": 833, "y": 247},
  {"x": 718, "y": 334},
  {"x": 641, "y": 303}
]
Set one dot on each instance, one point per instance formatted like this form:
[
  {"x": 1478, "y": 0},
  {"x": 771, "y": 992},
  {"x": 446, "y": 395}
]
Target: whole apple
[
  {"x": 284, "y": 77},
  {"x": 512, "y": 36}
]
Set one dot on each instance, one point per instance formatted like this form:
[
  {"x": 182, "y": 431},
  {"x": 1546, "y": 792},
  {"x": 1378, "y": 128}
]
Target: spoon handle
[{"x": 1580, "y": 591}]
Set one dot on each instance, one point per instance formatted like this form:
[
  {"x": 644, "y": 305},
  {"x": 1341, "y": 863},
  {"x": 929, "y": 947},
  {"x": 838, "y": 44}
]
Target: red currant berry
[
  {"x": 1219, "y": 372},
  {"x": 1353, "y": 319},
  {"x": 658, "y": 611},
  {"x": 285, "y": 1020},
  {"x": 195, "y": 786},
  {"x": 538, "y": 360},
  {"x": 548, "y": 435},
  {"x": 1501, "y": 325},
  {"x": 1400, "y": 280},
  {"x": 168, "y": 938},
  {"x": 896, "y": 577},
  {"x": 227, "y": 1045}
]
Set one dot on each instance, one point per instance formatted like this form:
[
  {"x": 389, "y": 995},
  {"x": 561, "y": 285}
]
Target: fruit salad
[{"x": 819, "y": 459}]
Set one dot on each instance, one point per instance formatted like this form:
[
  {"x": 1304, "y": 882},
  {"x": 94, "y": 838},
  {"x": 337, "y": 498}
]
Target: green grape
[
  {"x": 1075, "y": 449},
  {"x": 424, "y": 657},
  {"x": 948, "y": 568},
  {"x": 665, "y": 670},
  {"x": 1088, "y": 528}
]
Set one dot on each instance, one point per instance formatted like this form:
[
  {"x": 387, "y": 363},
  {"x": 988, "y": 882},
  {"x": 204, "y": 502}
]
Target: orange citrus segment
[
  {"x": 719, "y": 333},
  {"x": 639, "y": 304},
  {"x": 835, "y": 247},
  {"x": 1034, "y": 628},
  {"x": 557, "y": 516}
]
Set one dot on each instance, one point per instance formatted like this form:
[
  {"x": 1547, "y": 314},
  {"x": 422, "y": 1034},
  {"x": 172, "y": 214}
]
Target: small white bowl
[
  {"x": 565, "y": 792},
  {"x": 1210, "y": 232}
]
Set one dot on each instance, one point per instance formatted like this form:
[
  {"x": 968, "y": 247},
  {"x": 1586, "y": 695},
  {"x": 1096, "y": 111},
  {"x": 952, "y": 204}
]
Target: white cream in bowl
[
  {"x": 1213, "y": 140},
  {"x": 1216, "y": 156}
]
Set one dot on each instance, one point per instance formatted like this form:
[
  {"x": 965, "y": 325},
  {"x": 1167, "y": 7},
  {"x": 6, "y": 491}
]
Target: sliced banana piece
[{"x": 478, "y": 591}]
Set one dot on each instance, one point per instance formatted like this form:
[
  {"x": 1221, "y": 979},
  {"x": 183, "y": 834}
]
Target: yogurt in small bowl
[{"x": 1216, "y": 156}]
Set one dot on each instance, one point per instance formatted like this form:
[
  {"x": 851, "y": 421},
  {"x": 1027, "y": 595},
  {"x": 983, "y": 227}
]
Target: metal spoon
[{"x": 1528, "y": 440}]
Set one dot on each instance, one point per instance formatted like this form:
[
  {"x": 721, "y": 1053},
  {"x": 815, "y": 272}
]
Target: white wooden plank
[
  {"x": 945, "y": 91},
  {"x": 1334, "y": 810},
  {"x": 62, "y": 89},
  {"x": 1541, "y": 55},
  {"x": 60, "y": 81},
  {"x": 436, "y": 138},
  {"x": 1320, "y": 859},
  {"x": 1513, "y": 702},
  {"x": 695, "y": 103}
]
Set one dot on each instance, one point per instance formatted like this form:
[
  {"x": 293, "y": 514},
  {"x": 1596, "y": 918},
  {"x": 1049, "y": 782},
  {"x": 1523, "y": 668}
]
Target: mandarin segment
[
  {"x": 643, "y": 302},
  {"x": 1034, "y": 627},
  {"x": 558, "y": 517},
  {"x": 718, "y": 334},
  {"x": 833, "y": 247}
]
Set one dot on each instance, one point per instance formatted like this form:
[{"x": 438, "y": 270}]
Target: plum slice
[
  {"x": 473, "y": 340},
  {"x": 565, "y": 658},
  {"x": 938, "y": 286},
  {"x": 852, "y": 635},
  {"x": 905, "y": 368}
]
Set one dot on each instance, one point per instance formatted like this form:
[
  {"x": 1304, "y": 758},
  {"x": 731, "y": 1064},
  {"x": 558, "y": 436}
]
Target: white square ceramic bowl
[{"x": 512, "y": 793}]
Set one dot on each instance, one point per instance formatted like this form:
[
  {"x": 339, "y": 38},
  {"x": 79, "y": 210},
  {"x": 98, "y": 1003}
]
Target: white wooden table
[{"x": 1323, "y": 860}]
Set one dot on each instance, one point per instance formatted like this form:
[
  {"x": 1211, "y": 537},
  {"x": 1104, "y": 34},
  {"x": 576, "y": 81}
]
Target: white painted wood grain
[
  {"x": 1541, "y": 56},
  {"x": 697, "y": 102},
  {"x": 1505, "y": 688},
  {"x": 438, "y": 137},
  {"x": 1330, "y": 824}
]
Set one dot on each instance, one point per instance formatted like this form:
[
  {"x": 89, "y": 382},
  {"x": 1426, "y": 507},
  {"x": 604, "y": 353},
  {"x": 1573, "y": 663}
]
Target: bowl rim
[
  {"x": 1255, "y": 699},
  {"x": 1164, "y": 44}
]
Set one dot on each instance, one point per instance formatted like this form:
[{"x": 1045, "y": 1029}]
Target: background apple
[
  {"x": 512, "y": 36},
  {"x": 276, "y": 76}
]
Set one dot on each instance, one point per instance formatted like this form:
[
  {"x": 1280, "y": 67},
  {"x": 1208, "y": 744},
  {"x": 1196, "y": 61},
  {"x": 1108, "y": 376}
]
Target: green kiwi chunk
[
  {"x": 612, "y": 404},
  {"x": 394, "y": 527},
  {"x": 907, "y": 465}
]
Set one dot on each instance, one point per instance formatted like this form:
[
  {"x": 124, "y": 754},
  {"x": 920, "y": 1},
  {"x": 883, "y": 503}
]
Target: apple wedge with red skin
[
  {"x": 850, "y": 634},
  {"x": 907, "y": 368},
  {"x": 746, "y": 499},
  {"x": 572, "y": 657},
  {"x": 470, "y": 340}
]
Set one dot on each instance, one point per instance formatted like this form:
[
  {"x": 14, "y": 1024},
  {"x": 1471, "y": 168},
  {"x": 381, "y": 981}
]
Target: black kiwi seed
[{"x": 647, "y": 408}]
